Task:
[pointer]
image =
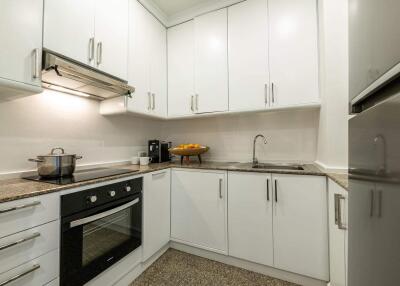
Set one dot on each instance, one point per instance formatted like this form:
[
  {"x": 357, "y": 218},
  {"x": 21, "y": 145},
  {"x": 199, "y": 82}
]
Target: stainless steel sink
[{"x": 278, "y": 166}]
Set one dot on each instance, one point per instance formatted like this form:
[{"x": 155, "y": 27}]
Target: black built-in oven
[{"x": 99, "y": 227}]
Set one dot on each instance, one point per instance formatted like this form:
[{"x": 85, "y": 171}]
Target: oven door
[{"x": 94, "y": 240}]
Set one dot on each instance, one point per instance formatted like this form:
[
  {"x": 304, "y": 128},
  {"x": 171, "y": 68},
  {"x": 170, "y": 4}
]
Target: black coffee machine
[{"x": 158, "y": 151}]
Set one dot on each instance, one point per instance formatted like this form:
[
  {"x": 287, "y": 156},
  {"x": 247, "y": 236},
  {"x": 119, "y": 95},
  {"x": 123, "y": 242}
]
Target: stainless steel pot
[{"x": 56, "y": 164}]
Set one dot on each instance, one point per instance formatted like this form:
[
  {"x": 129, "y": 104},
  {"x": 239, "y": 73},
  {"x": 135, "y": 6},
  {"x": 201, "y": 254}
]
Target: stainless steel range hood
[{"x": 63, "y": 74}]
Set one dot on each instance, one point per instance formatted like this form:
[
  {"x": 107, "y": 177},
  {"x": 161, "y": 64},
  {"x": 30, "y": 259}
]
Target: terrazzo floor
[{"x": 176, "y": 268}]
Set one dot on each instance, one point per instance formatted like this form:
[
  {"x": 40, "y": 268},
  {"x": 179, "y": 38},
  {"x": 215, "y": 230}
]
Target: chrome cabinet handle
[
  {"x": 91, "y": 49},
  {"x": 379, "y": 203},
  {"x": 338, "y": 211},
  {"x": 191, "y": 103},
  {"x": 197, "y": 102},
  {"x": 16, "y": 277},
  {"x": 267, "y": 190},
  {"x": 36, "y": 64},
  {"x": 266, "y": 93},
  {"x": 22, "y": 240},
  {"x": 276, "y": 190},
  {"x": 273, "y": 92},
  {"x": 154, "y": 101},
  {"x": 99, "y": 53},
  {"x": 220, "y": 188},
  {"x": 19, "y": 207},
  {"x": 371, "y": 206},
  {"x": 149, "y": 100}
]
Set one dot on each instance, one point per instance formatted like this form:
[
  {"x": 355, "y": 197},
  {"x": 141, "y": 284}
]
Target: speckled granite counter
[
  {"x": 13, "y": 189},
  {"x": 341, "y": 179}
]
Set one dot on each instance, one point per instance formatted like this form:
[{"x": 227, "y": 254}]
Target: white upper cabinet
[
  {"x": 147, "y": 64},
  {"x": 211, "y": 62},
  {"x": 111, "y": 35},
  {"x": 158, "y": 67},
  {"x": 91, "y": 32},
  {"x": 69, "y": 28},
  {"x": 21, "y": 45},
  {"x": 181, "y": 69},
  {"x": 301, "y": 225},
  {"x": 248, "y": 55},
  {"x": 250, "y": 217},
  {"x": 293, "y": 52}
]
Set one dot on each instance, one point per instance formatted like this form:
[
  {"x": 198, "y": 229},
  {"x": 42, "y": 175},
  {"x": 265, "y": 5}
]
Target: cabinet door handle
[
  {"x": 273, "y": 92},
  {"x": 36, "y": 64},
  {"x": 197, "y": 102},
  {"x": 220, "y": 188},
  {"x": 379, "y": 203},
  {"x": 267, "y": 190},
  {"x": 191, "y": 103},
  {"x": 154, "y": 100},
  {"x": 22, "y": 240},
  {"x": 338, "y": 211},
  {"x": 99, "y": 53},
  {"x": 149, "y": 100},
  {"x": 276, "y": 190},
  {"x": 91, "y": 49},
  {"x": 19, "y": 207},
  {"x": 371, "y": 206},
  {"x": 266, "y": 93},
  {"x": 16, "y": 277}
]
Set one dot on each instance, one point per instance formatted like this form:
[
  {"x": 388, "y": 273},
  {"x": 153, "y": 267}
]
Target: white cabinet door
[
  {"x": 158, "y": 67},
  {"x": 337, "y": 236},
  {"x": 69, "y": 28},
  {"x": 156, "y": 212},
  {"x": 301, "y": 225},
  {"x": 211, "y": 61},
  {"x": 181, "y": 69},
  {"x": 198, "y": 209},
  {"x": 293, "y": 52},
  {"x": 111, "y": 27},
  {"x": 21, "y": 45},
  {"x": 248, "y": 55},
  {"x": 138, "y": 63},
  {"x": 250, "y": 217}
]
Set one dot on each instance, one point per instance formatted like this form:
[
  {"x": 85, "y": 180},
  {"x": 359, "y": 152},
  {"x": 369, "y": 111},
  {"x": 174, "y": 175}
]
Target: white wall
[
  {"x": 33, "y": 125},
  {"x": 333, "y": 128},
  {"x": 292, "y": 135}
]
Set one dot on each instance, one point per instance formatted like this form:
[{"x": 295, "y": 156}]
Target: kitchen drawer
[
  {"x": 23, "y": 214},
  {"x": 36, "y": 272},
  {"x": 27, "y": 245}
]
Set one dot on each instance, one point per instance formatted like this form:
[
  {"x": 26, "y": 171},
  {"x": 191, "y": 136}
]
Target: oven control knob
[
  {"x": 128, "y": 189},
  {"x": 111, "y": 193},
  {"x": 92, "y": 199}
]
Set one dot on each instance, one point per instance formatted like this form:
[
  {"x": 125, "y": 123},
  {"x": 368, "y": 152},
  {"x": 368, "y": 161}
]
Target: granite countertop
[
  {"x": 13, "y": 189},
  {"x": 341, "y": 179}
]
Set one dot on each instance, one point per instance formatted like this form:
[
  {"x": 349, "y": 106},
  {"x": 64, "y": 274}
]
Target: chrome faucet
[{"x": 255, "y": 161}]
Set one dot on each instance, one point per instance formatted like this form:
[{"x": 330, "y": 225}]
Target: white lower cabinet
[
  {"x": 250, "y": 217},
  {"x": 38, "y": 271},
  {"x": 301, "y": 225},
  {"x": 279, "y": 220},
  {"x": 199, "y": 208},
  {"x": 338, "y": 200},
  {"x": 156, "y": 212}
]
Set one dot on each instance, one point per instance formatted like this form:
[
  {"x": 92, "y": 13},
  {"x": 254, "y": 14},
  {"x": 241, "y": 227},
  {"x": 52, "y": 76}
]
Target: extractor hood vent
[{"x": 63, "y": 74}]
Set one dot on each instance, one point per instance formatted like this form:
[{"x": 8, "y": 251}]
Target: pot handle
[
  {"x": 58, "y": 148},
  {"x": 78, "y": 157},
  {"x": 35, "y": 160}
]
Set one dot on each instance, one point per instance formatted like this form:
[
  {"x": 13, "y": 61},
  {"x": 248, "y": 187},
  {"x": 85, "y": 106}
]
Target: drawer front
[
  {"x": 36, "y": 272},
  {"x": 23, "y": 214},
  {"x": 24, "y": 246}
]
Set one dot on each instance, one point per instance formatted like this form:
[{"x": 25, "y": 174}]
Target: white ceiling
[{"x": 171, "y": 7}]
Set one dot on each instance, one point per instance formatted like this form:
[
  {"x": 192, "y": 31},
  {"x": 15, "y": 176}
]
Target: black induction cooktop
[{"x": 81, "y": 176}]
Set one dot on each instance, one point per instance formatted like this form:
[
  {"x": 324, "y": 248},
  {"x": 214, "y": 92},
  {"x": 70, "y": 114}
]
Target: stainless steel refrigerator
[{"x": 374, "y": 143}]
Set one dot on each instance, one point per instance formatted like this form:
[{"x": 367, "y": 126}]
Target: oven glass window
[{"x": 102, "y": 236}]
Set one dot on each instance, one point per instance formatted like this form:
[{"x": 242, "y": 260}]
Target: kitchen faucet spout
[{"x": 255, "y": 161}]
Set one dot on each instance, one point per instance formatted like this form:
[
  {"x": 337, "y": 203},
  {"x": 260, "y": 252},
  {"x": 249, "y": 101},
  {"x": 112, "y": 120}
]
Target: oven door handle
[{"x": 92, "y": 218}]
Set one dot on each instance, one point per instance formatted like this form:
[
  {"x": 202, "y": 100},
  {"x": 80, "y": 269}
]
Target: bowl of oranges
[{"x": 187, "y": 150}]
